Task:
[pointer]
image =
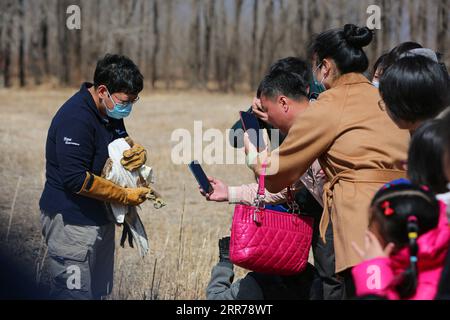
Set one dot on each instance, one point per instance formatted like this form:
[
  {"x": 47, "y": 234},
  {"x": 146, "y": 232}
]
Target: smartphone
[
  {"x": 250, "y": 124},
  {"x": 201, "y": 177}
]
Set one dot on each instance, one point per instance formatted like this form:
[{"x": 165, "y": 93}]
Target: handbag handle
[
  {"x": 261, "y": 195},
  {"x": 262, "y": 182}
]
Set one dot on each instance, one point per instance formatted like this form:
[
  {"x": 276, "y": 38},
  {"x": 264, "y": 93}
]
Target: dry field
[{"x": 183, "y": 235}]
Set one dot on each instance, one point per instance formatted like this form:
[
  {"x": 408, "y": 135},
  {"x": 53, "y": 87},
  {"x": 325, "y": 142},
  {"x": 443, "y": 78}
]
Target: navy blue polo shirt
[{"x": 77, "y": 143}]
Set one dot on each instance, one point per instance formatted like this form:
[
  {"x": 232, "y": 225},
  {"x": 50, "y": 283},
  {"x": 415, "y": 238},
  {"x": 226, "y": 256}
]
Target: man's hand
[
  {"x": 219, "y": 193},
  {"x": 258, "y": 110},
  {"x": 373, "y": 248},
  {"x": 136, "y": 196},
  {"x": 134, "y": 158}
]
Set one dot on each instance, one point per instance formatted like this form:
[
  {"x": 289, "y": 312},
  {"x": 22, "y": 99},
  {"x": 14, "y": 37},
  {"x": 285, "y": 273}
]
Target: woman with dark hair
[
  {"x": 426, "y": 156},
  {"x": 378, "y": 68},
  {"x": 356, "y": 143},
  {"x": 398, "y": 51},
  {"x": 413, "y": 90},
  {"x": 406, "y": 246}
]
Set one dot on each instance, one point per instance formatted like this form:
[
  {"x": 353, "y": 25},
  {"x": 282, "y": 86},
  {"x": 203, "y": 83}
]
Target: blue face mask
[
  {"x": 119, "y": 111},
  {"x": 318, "y": 84},
  {"x": 376, "y": 84}
]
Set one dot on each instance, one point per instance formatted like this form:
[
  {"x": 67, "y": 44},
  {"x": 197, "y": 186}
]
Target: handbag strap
[
  {"x": 262, "y": 181},
  {"x": 260, "y": 197}
]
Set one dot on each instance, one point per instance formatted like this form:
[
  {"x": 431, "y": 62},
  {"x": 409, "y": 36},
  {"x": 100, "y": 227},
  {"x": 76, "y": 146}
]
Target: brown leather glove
[
  {"x": 135, "y": 157},
  {"x": 101, "y": 189}
]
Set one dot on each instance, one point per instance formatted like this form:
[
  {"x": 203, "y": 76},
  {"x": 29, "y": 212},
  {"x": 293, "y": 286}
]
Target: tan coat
[{"x": 357, "y": 146}]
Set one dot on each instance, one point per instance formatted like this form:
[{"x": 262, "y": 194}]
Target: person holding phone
[
  {"x": 308, "y": 189},
  {"x": 290, "y": 64},
  {"x": 355, "y": 141}
]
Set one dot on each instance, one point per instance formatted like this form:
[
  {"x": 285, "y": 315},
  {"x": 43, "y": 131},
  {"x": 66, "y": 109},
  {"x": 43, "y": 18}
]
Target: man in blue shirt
[{"x": 78, "y": 232}]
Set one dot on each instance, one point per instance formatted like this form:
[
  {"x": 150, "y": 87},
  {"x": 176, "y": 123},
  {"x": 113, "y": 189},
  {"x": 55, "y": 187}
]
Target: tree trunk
[
  {"x": 64, "y": 44},
  {"x": 233, "y": 54},
  {"x": 209, "y": 17},
  {"x": 443, "y": 33},
  {"x": 22, "y": 80},
  {"x": 156, "y": 35},
  {"x": 254, "y": 62},
  {"x": 195, "y": 48},
  {"x": 167, "y": 51},
  {"x": 266, "y": 53}
]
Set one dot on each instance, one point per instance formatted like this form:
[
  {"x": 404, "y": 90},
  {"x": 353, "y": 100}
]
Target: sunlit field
[{"x": 183, "y": 235}]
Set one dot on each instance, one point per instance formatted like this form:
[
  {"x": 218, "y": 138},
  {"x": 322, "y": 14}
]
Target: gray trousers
[{"x": 81, "y": 258}]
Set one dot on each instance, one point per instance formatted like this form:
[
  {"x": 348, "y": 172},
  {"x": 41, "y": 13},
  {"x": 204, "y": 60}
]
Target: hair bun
[{"x": 357, "y": 37}]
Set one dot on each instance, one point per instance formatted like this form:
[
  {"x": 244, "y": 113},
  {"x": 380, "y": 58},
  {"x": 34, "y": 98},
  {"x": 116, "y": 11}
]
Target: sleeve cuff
[
  {"x": 227, "y": 265},
  {"x": 251, "y": 159},
  {"x": 234, "y": 195}
]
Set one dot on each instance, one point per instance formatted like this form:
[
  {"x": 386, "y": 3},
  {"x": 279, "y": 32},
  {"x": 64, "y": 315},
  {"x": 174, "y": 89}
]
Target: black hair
[
  {"x": 344, "y": 46},
  {"x": 405, "y": 212},
  {"x": 398, "y": 51},
  {"x": 446, "y": 120},
  {"x": 415, "y": 88},
  {"x": 440, "y": 57},
  {"x": 294, "y": 65},
  {"x": 380, "y": 64},
  {"x": 119, "y": 74},
  {"x": 292, "y": 85},
  {"x": 426, "y": 154}
]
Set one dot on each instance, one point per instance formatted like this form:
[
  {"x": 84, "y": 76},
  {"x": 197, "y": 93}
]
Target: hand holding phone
[
  {"x": 201, "y": 177},
  {"x": 251, "y": 126}
]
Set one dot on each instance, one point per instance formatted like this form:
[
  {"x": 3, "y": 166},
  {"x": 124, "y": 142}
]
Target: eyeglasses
[
  {"x": 121, "y": 102},
  {"x": 382, "y": 105}
]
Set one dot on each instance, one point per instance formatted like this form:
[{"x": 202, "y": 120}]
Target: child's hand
[{"x": 373, "y": 248}]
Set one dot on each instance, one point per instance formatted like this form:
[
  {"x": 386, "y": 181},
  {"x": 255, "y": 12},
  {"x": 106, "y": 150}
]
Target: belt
[{"x": 356, "y": 176}]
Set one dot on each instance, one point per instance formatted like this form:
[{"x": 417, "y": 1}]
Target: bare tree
[
  {"x": 7, "y": 38},
  {"x": 266, "y": 50},
  {"x": 234, "y": 50},
  {"x": 168, "y": 44},
  {"x": 199, "y": 42},
  {"x": 443, "y": 37},
  {"x": 195, "y": 54},
  {"x": 221, "y": 48},
  {"x": 209, "y": 16},
  {"x": 156, "y": 45},
  {"x": 254, "y": 62},
  {"x": 21, "y": 15}
]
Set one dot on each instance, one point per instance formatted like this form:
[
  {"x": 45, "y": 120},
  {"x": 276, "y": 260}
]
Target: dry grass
[{"x": 183, "y": 235}]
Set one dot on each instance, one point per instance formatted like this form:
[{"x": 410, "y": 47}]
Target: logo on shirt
[
  {"x": 120, "y": 132},
  {"x": 69, "y": 141}
]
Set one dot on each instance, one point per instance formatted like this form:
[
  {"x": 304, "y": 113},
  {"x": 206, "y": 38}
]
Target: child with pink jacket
[{"x": 406, "y": 245}]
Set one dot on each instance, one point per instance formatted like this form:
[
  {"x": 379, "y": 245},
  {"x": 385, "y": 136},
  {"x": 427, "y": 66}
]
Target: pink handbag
[{"x": 270, "y": 242}]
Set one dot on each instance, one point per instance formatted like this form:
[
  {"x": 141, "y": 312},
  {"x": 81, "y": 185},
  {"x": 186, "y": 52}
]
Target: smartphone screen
[
  {"x": 251, "y": 126},
  {"x": 200, "y": 176}
]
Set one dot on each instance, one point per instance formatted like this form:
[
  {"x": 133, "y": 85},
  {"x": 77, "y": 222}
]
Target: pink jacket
[{"x": 374, "y": 277}]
